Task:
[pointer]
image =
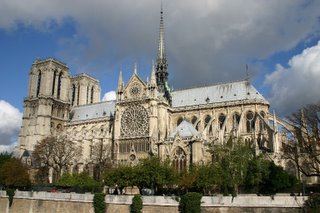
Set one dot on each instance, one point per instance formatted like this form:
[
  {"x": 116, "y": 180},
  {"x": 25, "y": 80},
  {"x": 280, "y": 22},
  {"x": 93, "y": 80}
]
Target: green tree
[
  {"x": 82, "y": 181},
  {"x": 277, "y": 180},
  {"x": 154, "y": 174},
  {"x": 206, "y": 178},
  {"x": 120, "y": 177},
  {"x": 99, "y": 205},
  {"x": 136, "y": 205},
  {"x": 190, "y": 203},
  {"x": 231, "y": 161},
  {"x": 14, "y": 174}
]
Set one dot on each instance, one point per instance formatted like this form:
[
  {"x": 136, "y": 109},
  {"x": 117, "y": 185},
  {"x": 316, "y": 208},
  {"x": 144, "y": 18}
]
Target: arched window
[
  {"x": 92, "y": 93},
  {"x": 179, "y": 159},
  {"x": 179, "y": 121},
  {"x": 250, "y": 121},
  {"x": 221, "y": 119},
  {"x": 194, "y": 119},
  {"x": 235, "y": 120},
  {"x": 39, "y": 83},
  {"x": 59, "y": 85},
  {"x": 73, "y": 94},
  {"x": 53, "y": 82},
  {"x": 207, "y": 120},
  {"x": 262, "y": 125}
]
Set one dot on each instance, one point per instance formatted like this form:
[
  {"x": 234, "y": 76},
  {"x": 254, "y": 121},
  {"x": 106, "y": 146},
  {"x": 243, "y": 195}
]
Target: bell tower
[{"x": 47, "y": 106}]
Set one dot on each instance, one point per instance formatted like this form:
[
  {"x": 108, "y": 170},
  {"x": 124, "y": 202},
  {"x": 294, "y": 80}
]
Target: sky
[{"x": 207, "y": 42}]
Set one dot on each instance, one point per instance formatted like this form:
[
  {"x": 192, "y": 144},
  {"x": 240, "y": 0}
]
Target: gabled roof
[
  {"x": 226, "y": 92},
  {"x": 93, "y": 111},
  {"x": 184, "y": 130}
]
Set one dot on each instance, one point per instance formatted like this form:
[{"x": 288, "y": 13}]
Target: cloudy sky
[{"x": 207, "y": 41}]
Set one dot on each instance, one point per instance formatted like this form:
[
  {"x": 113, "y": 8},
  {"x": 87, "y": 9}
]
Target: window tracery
[{"x": 134, "y": 122}]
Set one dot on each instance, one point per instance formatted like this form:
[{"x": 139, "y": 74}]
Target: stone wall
[{"x": 26, "y": 202}]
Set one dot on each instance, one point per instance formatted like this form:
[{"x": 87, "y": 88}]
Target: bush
[
  {"x": 190, "y": 203},
  {"x": 136, "y": 205},
  {"x": 10, "y": 193},
  {"x": 312, "y": 204},
  {"x": 98, "y": 203}
]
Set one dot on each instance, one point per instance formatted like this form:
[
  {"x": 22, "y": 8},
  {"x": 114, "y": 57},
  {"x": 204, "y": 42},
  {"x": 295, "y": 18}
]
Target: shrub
[
  {"x": 312, "y": 204},
  {"x": 190, "y": 203},
  {"x": 10, "y": 193},
  {"x": 98, "y": 203},
  {"x": 136, "y": 205}
]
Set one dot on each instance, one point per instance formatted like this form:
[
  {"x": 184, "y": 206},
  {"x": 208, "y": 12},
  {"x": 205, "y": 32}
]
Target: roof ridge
[
  {"x": 92, "y": 104},
  {"x": 208, "y": 85}
]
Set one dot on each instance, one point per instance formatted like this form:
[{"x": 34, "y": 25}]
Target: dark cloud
[{"x": 206, "y": 41}]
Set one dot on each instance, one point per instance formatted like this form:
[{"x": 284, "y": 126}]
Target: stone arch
[{"x": 221, "y": 120}]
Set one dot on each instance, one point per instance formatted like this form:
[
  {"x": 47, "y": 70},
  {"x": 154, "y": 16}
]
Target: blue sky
[{"x": 206, "y": 42}]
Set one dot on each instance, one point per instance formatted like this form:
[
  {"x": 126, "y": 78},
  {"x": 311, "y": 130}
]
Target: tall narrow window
[
  {"x": 39, "y": 84},
  {"x": 92, "y": 92},
  {"x": 73, "y": 94},
  {"x": 221, "y": 119},
  {"x": 207, "y": 120},
  {"x": 250, "y": 121},
  {"x": 179, "y": 159},
  {"x": 236, "y": 121},
  {"x": 54, "y": 82},
  {"x": 59, "y": 85},
  {"x": 78, "y": 95},
  {"x": 87, "y": 94},
  {"x": 179, "y": 121}
]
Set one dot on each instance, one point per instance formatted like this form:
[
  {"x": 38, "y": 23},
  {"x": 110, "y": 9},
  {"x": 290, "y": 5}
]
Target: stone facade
[{"x": 147, "y": 118}]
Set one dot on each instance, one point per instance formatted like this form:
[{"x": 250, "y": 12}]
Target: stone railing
[
  {"x": 87, "y": 197},
  {"x": 246, "y": 200}
]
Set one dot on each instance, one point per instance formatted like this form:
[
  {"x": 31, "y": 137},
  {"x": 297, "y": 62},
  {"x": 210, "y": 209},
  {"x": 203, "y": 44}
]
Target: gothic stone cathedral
[{"x": 146, "y": 118}]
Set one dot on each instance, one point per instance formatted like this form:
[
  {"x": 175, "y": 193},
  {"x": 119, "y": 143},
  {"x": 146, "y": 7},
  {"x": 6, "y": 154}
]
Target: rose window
[{"x": 134, "y": 122}]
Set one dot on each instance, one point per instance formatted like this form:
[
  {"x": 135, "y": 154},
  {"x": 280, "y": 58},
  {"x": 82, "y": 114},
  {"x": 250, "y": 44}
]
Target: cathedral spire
[{"x": 161, "y": 66}]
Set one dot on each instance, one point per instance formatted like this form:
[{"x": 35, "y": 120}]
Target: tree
[
  {"x": 154, "y": 174},
  {"x": 56, "y": 153},
  {"x": 101, "y": 157},
  {"x": 14, "y": 174},
  {"x": 137, "y": 204},
  {"x": 231, "y": 161},
  {"x": 304, "y": 147},
  {"x": 190, "y": 203},
  {"x": 277, "y": 179},
  {"x": 82, "y": 181},
  {"x": 120, "y": 177}
]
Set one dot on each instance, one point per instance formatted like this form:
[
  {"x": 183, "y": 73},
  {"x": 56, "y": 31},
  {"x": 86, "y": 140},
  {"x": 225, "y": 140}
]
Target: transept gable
[{"x": 135, "y": 88}]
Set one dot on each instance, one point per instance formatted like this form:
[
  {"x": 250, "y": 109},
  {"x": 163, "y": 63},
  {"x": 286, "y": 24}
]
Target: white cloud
[
  {"x": 298, "y": 84},
  {"x": 109, "y": 96},
  {"x": 10, "y": 123}
]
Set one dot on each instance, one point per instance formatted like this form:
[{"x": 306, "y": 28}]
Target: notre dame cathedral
[{"x": 147, "y": 118}]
